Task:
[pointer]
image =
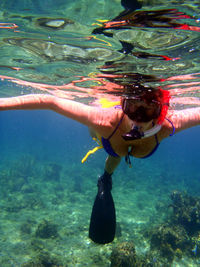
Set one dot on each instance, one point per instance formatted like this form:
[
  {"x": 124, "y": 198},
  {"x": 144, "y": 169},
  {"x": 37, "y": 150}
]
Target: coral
[
  {"x": 23, "y": 202},
  {"x": 52, "y": 172},
  {"x": 32, "y": 263},
  {"x": 37, "y": 244},
  {"x": 26, "y": 228},
  {"x": 43, "y": 259},
  {"x": 27, "y": 189},
  {"x": 123, "y": 255},
  {"x": 14, "y": 205},
  {"x": 186, "y": 211},
  {"x": 171, "y": 240},
  {"x": 180, "y": 235},
  {"x": 46, "y": 229},
  {"x": 78, "y": 181},
  {"x": 24, "y": 167},
  {"x": 35, "y": 202},
  {"x": 15, "y": 177}
]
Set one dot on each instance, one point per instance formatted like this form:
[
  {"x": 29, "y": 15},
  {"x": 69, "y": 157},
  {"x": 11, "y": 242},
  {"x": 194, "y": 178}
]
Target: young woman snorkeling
[{"x": 136, "y": 129}]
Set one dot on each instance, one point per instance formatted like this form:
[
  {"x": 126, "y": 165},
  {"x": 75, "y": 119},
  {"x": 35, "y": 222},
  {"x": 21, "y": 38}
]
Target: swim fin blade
[
  {"x": 131, "y": 4},
  {"x": 103, "y": 218}
]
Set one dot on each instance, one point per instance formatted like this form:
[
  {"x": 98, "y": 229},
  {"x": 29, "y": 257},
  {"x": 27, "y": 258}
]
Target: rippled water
[{"x": 50, "y": 50}]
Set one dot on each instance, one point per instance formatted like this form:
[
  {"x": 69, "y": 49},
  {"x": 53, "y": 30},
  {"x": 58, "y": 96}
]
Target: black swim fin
[
  {"x": 126, "y": 48},
  {"x": 131, "y": 4},
  {"x": 103, "y": 218}
]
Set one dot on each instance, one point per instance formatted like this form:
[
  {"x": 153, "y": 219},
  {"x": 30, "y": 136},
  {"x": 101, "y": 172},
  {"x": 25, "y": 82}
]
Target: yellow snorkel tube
[{"x": 105, "y": 103}]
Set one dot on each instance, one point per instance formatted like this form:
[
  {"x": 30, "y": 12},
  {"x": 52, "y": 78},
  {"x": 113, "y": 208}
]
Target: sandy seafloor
[{"x": 31, "y": 194}]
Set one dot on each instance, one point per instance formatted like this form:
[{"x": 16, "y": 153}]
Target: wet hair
[{"x": 143, "y": 103}]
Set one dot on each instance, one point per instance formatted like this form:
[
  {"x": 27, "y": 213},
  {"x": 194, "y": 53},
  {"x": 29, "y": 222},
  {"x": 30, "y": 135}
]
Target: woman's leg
[{"x": 111, "y": 164}]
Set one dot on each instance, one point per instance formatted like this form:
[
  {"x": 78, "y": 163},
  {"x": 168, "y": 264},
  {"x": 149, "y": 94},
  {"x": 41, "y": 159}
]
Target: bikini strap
[
  {"x": 116, "y": 127},
  {"x": 173, "y": 131}
]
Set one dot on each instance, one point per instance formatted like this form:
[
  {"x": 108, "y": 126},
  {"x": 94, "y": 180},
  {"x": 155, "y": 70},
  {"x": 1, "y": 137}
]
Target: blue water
[{"x": 31, "y": 141}]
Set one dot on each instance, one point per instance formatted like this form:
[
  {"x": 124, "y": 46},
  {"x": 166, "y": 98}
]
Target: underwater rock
[
  {"x": 123, "y": 255},
  {"x": 186, "y": 211},
  {"x": 46, "y": 229},
  {"x": 171, "y": 241},
  {"x": 53, "y": 23}
]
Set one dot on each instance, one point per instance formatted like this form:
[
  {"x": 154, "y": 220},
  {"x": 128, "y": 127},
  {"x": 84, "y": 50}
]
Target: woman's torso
[{"x": 139, "y": 148}]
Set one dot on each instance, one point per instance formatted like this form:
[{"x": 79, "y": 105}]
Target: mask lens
[
  {"x": 139, "y": 111},
  {"x": 128, "y": 107}
]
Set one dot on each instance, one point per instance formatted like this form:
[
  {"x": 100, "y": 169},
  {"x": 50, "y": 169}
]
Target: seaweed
[{"x": 123, "y": 255}]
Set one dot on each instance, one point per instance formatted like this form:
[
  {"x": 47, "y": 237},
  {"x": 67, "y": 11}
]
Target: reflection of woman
[{"x": 135, "y": 129}]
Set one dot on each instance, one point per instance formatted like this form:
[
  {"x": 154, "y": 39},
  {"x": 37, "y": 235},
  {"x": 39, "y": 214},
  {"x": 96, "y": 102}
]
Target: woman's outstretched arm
[
  {"x": 93, "y": 117},
  {"x": 184, "y": 119},
  {"x": 27, "y": 102},
  {"x": 68, "y": 108}
]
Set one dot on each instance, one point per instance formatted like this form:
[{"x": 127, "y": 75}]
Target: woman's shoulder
[
  {"x": 179, "y": 120},
  {"x": 104, "y": 120},
  {"x": 168, "y": 126}
]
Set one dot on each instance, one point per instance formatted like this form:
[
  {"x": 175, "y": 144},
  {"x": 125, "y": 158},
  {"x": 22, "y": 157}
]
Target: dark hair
[{"x": 143, "y": 105}]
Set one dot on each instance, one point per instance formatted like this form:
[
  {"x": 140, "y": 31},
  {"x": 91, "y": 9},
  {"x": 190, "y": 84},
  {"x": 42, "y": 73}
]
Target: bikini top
[{"x": 105, "y": 143}]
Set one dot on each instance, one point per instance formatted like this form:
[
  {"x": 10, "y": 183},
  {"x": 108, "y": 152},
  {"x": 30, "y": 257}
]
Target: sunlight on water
[{"x": 52, "y": 47}]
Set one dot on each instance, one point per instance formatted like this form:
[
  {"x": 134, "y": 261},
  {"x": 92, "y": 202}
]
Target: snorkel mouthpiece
[{"x": 133, "y": 134}]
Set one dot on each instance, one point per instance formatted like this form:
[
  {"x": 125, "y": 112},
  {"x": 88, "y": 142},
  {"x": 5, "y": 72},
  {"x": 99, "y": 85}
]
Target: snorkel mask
[{"x": 139, "y": 111}]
